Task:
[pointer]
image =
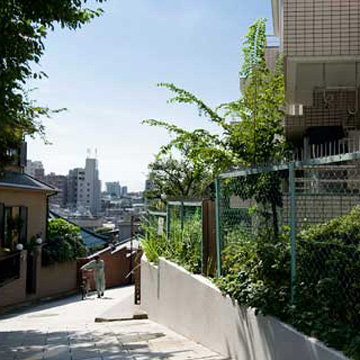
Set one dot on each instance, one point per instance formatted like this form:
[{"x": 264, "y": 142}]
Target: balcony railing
[{"x": 338, "y": 147}]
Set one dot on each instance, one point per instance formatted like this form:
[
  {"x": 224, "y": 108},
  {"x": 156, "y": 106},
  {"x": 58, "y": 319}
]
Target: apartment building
[
  {"x": 124, "y": 191},
  {"x": 320, "y": 41},
  {"x": 84, "y": 188},
  {"x": 113, "y": 189},
  {"x": 35, "y": 169},
  {"x": 75, "y": 186},
  {"x": 92, "y": 187},
  {"x": 59, "y": 182}
]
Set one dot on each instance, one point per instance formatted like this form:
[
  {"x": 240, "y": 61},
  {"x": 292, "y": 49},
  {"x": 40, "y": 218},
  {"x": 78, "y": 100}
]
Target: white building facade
[
  {"x": 34, "y": 169},
  {"x": 84, "y": 188}
]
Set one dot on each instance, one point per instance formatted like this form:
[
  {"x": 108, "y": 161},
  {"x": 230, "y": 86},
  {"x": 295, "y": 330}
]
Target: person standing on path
[{"x": 99, "y": 274}]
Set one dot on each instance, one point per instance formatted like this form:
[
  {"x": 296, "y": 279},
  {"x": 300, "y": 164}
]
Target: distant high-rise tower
[
  {"x": 92, "y": 186},
  {"x": 124, "y": 191},
  {"x": 113, "y": 189},
  {"x": 84, "y": 187}
]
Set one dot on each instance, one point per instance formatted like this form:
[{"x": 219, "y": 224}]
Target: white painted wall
[{"x": 193, "y": 306}]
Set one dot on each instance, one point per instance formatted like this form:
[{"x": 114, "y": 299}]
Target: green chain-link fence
[
  {"x": 184, "y": 232},
  {"x": 327, "y": 198},
  {"x": 296, "y": 231},
  {"x": 157, "y": 220}
]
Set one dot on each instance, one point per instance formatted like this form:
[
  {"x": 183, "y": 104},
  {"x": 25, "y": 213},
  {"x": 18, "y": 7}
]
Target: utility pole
[{"x": 131, "y": 248}]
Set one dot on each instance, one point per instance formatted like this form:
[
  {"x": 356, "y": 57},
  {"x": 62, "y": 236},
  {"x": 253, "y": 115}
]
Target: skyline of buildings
[{"x": 80, "y": 189}]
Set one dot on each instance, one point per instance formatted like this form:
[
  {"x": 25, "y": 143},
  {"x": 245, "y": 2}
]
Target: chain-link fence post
[
  {"x": 292, "y": 223},
  {"x": 218, "y": 225},
  {"x": 182, "y": 214},
  {"x": 167, "y": 221},
  {"x": 202, "y": 237}
]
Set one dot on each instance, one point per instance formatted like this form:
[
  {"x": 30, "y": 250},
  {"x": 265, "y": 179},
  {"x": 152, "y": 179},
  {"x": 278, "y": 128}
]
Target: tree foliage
[
  {"x": 63, "y": 243},
  {"x": 24, "y": 25},
  {"x": 250, "y": 127},
  {"x": 177, "y": 178}
]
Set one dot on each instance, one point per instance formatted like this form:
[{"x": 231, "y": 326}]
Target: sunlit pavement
[{"x": 65, "y": 330}]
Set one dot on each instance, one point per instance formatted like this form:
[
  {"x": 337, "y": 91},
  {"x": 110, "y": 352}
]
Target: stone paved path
[{"x": 65, "y": 330}]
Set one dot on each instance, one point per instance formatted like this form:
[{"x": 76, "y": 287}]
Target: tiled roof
[{"x": 24, "y": 181}]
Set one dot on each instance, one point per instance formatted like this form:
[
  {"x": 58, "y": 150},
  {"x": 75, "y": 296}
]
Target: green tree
[
  {"x": 63, "y": 243},
  {"x": 186, "y": 166},
  {"x": 24, "y": 25},
  {"x": 250, "y": 127},
  {"x": 257, "y": 136},
  {"x": 176, "y": 178}
]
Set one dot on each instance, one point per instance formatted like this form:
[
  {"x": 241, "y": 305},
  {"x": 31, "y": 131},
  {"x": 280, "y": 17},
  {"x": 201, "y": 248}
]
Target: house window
[{"x": 13, "y": 226}]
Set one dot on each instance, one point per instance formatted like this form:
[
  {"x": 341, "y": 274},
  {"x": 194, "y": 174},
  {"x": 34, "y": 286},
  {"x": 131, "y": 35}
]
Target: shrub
[
  {"x": 328, "y": 287},
  {"x": 256, "y": 272},
  {"x": 183, "y": 246},
  {"x": 63, "y": 243},
  {"x": 153, "y": 244}
]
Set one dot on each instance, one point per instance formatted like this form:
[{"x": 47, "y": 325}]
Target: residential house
[
  {"x": 23, "y": 222},
  {"x": 23, "y": 205}
]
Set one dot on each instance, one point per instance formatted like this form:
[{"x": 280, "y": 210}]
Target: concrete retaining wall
[
  {"x": 193, "y": 306},
  {"x": 56, "y": 279}
]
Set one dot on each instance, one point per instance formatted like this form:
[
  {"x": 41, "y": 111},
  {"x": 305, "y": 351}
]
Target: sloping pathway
[{"x": 65, "y": 330}]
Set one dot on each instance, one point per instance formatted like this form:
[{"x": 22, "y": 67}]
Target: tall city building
[
  {"x": 113, "y": 188},
  {"x": 75, "y": 188},
  {"x": 35, "y": 169},
  {"x": 84, "y": 188},
  {"x": 92, "y": 187},
  {"x": 124, "y": 191},
  {"x": 60, "y": 182}
]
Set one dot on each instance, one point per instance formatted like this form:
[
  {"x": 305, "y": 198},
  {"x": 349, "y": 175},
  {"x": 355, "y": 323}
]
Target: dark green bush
[
  {"x": 256, "y": 272},
  {"x": 63, "y": 243}
]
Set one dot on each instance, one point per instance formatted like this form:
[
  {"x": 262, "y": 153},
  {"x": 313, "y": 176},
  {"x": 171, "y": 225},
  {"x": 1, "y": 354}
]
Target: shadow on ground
[{"x": 80, "y": 345}]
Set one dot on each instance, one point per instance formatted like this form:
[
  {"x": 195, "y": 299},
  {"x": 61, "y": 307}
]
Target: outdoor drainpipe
[{"x": 47, "y": 213}]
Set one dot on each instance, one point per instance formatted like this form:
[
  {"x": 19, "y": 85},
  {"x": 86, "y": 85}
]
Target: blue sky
[{"x": 106, "y": 74}]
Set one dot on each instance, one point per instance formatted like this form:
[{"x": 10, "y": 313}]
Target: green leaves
[
  {"x": 63, "y": 243},
  {"x": 256, "y": 137},
  {"x": 23, "y": 28},
  {"x": 181, "y": 246}
]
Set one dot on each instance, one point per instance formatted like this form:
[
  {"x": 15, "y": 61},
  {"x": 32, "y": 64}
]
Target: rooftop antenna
[
  {"x": 96, "y": 153},
  {"x": 88, "y": 153}
]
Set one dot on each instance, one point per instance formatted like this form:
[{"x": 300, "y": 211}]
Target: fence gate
[{"x": 31, "y": 273}]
